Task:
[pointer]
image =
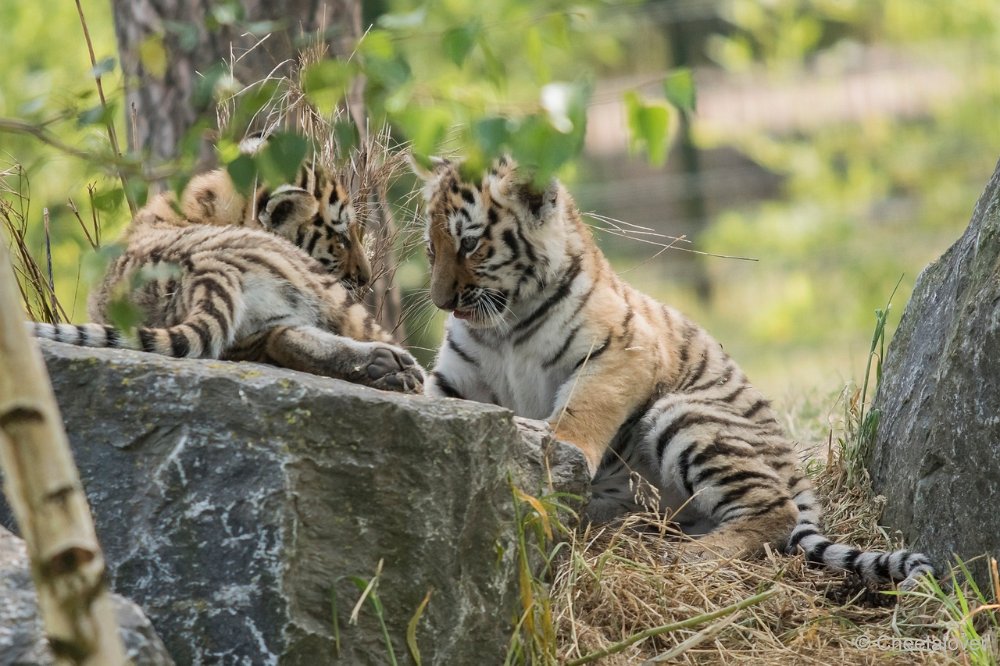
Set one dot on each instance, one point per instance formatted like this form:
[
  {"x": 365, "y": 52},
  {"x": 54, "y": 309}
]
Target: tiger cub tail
[
  {"x": 874, "y": 567},
  {"x": 198, "y": 336}
]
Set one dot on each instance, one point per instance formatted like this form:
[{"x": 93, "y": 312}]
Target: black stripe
[
  {"x": 179, "y": 345},
  {"x": 462, "y": 354},
  {"x": 112, "y": 336},
  {"x": 81, "y": 335},
  {"x": 560, "y": 293},
  {"x": 147, "y": 339},
  {"x": 799, "y": 536},
  {"x": 203, "y": 333},
  {"x": 720, "y": 448},
  {"x": 562, "y": 350},
  {"x": 816, "y": 554},
  {"x": 743, "y": 476},
  {"x": 754, "y": 408},
  {"x": 737, "y": 494},
  {"x": 446, "y": 386},
  {"x": 627, "y": 328},
  {"x": 721, "y": 381},
  {"x": 683, "y": 465},
  {"x": 882, "y": 567},
  {"x": 511, "y": 240},
  {"x": 705, "y": 472},
  {"x": 699, "y": 371},
  {"x": 851, "y": 560},
  {"x": 311, "y": 245},
  {"x": 594, "y": 354},
  {"x": 468, "y": 196},
  {"x": 528, "y": 250},
  {"x": 765, "y": 509}
]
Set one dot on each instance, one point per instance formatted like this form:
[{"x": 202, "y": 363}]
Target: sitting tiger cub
[
  {"x": 541, "y": 324},
  {"x": 211, "y": 286}
]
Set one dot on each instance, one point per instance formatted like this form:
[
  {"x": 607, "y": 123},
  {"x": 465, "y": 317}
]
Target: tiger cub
[
  {"x": 290, "y": 210},
  {"x": 542, "y": 325},
  {"x": 214, "y": 287}
]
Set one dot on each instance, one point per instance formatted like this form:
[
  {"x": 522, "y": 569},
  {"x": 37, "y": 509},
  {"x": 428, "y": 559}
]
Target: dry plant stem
[
  {"x": 674, "y": 626},
  {"x": 112, "y": 134},
  {"x": 44, "y": 492}
]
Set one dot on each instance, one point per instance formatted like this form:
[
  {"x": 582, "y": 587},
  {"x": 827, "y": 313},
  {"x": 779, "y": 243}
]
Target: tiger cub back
[{"x": 218, "y": 288}]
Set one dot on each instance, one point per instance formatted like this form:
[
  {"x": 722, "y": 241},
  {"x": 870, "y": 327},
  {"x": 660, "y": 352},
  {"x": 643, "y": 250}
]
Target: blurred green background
[{"x": 839, "y": 144}]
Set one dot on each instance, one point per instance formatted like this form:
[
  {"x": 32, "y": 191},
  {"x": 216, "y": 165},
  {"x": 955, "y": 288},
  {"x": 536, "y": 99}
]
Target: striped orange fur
[
  {"x": 541, "y": 324},
  {"x": 215, "y": 287}
]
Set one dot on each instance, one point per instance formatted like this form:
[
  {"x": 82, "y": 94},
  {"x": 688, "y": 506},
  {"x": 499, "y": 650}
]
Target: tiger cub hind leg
[{"x": 310, "y": 349}]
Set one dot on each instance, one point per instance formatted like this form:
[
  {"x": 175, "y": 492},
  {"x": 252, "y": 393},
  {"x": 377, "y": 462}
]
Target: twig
[{"x": 112, "y": 134}]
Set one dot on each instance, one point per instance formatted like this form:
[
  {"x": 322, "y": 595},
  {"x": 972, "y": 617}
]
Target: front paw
[{"x": 393, "y": 369}]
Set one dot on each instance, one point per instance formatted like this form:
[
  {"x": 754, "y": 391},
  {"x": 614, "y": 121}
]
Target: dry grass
[{"x": 617, "y": 582}]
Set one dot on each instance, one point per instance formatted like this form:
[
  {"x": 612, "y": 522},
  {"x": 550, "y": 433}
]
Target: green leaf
[
  {"x": 459, "y": 41},
  {"x": 123, "y": 315},
  {"x": 346, "y": 134},
  {"x": 96, "y": 115},
  {"x": 377, "y": 44},
  {"x": 413, "y": 19},
  {"x": 411, "y": 629},
  {"x": 490, "y": 134},
  {"x": 325, "y": 83},
  {"x": 679, "y": 89},
  {"x": 153, "y": 55},
  {"x": 109, "y": 200},
  {"x": 103, "y": 67},
  {"x": 243, "y": 171},
  {"x": 647, "y": 123},
  {"x": 425, "y": 127},
  {"x": 282, "y": 156},
  {"x": 186, "y": 34}
]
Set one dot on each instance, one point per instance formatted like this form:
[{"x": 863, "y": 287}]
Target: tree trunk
[
  {"x": 44, "y": 492},
  {"x": 164, "y": 105}
]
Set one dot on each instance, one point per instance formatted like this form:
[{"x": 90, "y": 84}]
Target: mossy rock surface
[
  {"x": 235, "y": 502},
  {"x": 937, "y": 453}
]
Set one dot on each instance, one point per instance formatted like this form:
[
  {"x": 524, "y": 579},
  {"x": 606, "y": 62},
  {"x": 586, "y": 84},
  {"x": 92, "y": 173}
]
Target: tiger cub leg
[
  {"x": 735, "y": 475},
  {"x": 313, "y": 350}
]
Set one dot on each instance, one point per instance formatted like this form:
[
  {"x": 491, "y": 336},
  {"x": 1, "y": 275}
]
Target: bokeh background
[{"x": 837, "y": 147}]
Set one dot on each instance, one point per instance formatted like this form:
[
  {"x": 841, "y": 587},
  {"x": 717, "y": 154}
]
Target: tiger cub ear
[
  {"x": 287, "y": 205},
  {"x": 517, "y": 186},
  {"x": 430, "y": 168}
]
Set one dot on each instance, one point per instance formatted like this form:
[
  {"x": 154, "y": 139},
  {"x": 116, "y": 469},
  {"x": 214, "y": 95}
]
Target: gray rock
[
  {"x": 22, "y": 638},
  {"x": 937, "y": 453},
  {"x": 238, "y": 504}
]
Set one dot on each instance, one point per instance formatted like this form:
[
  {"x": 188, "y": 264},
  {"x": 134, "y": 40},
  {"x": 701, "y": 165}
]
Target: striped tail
[
  {"x": 874, "y": 567},
  {"x": 192, "y": 338}
]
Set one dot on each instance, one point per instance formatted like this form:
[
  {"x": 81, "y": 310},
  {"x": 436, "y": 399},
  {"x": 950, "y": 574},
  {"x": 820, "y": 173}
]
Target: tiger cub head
[
  {"x": 314, "y": 212},
  {"x": 494, "y": 244}
]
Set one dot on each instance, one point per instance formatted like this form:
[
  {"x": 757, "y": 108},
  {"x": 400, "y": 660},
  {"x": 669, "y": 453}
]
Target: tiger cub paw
[{"x": 393, "y": 369}]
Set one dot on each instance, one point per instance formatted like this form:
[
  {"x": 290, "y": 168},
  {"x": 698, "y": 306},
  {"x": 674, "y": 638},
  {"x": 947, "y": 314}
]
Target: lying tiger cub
[
  {"x": 220, "y": 280},
  {"x": 541, "y": 324}
]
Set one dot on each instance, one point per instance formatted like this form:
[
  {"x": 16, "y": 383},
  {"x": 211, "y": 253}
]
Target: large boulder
[
  {"x": 22, "y": 637},
  {"x": 240, "y": 505},
  {"x": 937, "y": 453}
]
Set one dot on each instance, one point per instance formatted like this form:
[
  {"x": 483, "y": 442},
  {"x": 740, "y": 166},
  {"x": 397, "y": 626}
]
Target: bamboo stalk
[{"x": 44, "y": 492}]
